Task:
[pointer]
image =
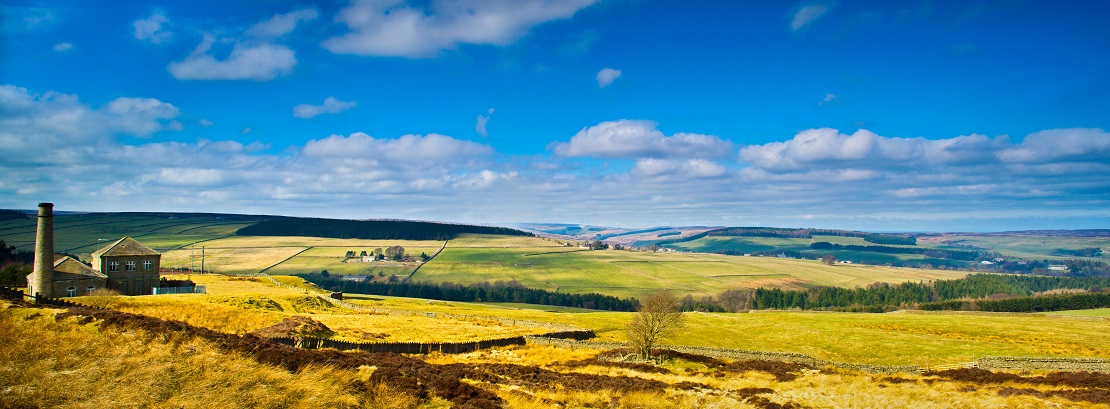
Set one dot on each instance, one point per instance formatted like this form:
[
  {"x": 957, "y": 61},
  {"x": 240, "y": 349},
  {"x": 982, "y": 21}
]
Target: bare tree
[
  {"x": 657, "y": 319},
  {"x": 829, "y": 259}
]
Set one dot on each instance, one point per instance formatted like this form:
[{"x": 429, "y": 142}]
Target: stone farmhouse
[{"x": 131, "y": 267}]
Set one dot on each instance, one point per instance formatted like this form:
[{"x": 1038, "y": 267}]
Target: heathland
[{"x": 101, "y": 357}]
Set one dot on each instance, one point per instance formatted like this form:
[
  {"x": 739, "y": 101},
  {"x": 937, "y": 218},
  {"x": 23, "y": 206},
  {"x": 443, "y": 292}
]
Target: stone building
[
  {"x": 126, "y": 266},
  {"x": 73, "y": 278},
  {"x": 131, "y": 268}
]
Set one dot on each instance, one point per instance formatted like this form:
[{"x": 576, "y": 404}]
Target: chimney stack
[{"x": 41, "y": 280}]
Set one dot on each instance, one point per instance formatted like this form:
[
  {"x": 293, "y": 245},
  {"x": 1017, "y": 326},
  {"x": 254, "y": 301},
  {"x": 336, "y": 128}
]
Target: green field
[
  {"x": 720, "y": 244},
  {"x": 543, "y": 264},
  {"x": 1027, "y": 246},
  {"x": 295, "y": 255}
]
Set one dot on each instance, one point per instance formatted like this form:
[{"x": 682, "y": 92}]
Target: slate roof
[
  {"x": 68, "y": 268},
  {"x": 126, "y": 246}
]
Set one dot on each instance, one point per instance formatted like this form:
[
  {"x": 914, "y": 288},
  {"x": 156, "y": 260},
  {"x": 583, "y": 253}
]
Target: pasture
[
  {"x": 739, "y": 245},
  {"x": 295, "y": 255},
  {"x": 540, "y": 263},
  {"x": 1033, "y": 247}
]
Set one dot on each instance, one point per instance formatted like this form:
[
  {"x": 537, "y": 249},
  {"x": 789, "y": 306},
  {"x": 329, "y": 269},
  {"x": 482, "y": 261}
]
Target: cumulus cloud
[
  {"x": 54, "y": 118},
  {"x": 63, "y": 47},
  {"x": 205, "y": 123},
  {"x": 480, "y": 124},
  {"x": 330, "y": 106},
  {"x": 632, "y": 139},
  {"x": 692, "y": 168},
  {"x": 254, "y": 57},
  {"x": 431, "y": 147},
  {"x": 395, "y": 28},
  {"x": 808, "y": 13},
  {"x": 58, "y": 148},
  {"x": 1057, "y": 166},
  {"x": 606, "y": 76},
  {"x": 282, "y": 24},
  {"x": 150, "y": 29},
  {"x": 829, "y": 98}
]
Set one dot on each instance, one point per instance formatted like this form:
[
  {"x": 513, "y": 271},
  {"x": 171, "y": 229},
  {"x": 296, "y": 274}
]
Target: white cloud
[
  {"x": 150, "y": 29},
  {"x": 431, "y": 147},
  {"x": 395, "y": 28},
  {"x": 692, "y": 168},
  {"x": 255, "y": 57},
  {"x": 63, "y": 47},
  {"x": 258, "y": 62},
  {"x": 60, "y": 149},
  {"x": 282, "y": 24},
  {"x": 829, "y": 98},
  {"x": 205, "y": 123},
  {"x": 141, "y": 116},
  {"x": 633, "y": 139},
  {"x": 606, "y": 76},
  {"x": 330, "y": 106},
  {"x": 806, "y": 14},
  {"x": 480, "y": 124}
]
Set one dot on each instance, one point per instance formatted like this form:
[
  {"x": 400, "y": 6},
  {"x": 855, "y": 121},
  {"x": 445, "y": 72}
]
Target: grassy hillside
[
  {"x": 545, "y": 264},
  {"x": 81, "y": 234},
  {"x": 1027, "y": 246},
  {"x": 295, "y": 255}
]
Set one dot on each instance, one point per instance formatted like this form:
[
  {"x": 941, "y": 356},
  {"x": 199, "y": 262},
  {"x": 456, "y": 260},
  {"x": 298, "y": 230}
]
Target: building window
[
  {"x": 89, "y": 289},
  {"x": 71, "y": 292},
  {"x": 113, "y": 266},
  {"x": 147, "y": 265},
  {"x": 130, "y": 264}
]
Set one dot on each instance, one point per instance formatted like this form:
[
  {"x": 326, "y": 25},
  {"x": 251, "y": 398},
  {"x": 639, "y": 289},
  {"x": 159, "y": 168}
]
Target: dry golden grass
[
  {"x": 87, "y": 366},
  {"x": 44, "y": 363}
]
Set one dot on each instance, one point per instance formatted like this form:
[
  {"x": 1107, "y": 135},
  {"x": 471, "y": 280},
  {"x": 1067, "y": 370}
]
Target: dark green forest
[
  {"x": 369, "y": 229},
  {"x": 881, "y": 297},
  {"x": 503, "y": 291}
]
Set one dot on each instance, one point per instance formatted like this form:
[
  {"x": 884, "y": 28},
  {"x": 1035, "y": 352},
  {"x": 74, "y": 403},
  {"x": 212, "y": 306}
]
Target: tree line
[
  {"x": 880, "y": 297},
  {"x": 1054, "y": 302},
  {"x": 369, "y": 229},
  {"x": 501, "y": 291},
  {"x": 964, "y": 255}
]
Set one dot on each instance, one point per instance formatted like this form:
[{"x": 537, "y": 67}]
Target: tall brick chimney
[{"x": 41, "y": 280}]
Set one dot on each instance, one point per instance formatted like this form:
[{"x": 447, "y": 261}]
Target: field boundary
[
  {"x": 429, "y": 260},
  {"x": 262, "y": 271}
]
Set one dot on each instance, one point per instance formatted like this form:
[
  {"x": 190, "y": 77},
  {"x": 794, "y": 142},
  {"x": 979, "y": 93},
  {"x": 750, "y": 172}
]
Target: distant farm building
[{"x": 1058, "y": 267}]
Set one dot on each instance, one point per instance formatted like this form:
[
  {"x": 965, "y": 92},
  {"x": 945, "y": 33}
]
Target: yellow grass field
[{"x": 243, "y": 304}]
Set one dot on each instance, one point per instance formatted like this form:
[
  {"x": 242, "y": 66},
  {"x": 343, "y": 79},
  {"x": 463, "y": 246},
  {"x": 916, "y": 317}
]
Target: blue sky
[{"x": 878, "y": 115}]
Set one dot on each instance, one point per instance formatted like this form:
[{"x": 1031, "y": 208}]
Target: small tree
[
  {"x": 350, "y": 254},
  {"x": 362, "y": 254},
  {"x": 657, "y": 318},
  {"x": 829, "y": 259}
]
